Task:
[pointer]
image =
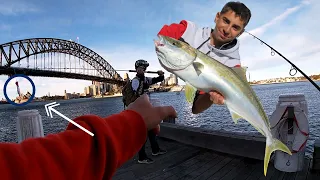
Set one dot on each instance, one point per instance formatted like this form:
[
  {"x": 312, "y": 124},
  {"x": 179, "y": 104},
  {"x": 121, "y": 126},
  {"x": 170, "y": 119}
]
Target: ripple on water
[
  {"x": 215, "y": 118},
  {"x": 218, "y": 117}
]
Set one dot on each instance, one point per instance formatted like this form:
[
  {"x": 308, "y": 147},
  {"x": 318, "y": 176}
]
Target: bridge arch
[{"x": 15, "y": 51}]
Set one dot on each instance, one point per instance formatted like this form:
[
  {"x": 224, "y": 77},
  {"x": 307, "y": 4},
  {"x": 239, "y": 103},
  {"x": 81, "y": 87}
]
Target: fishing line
[{"x": 293, "y": 67}]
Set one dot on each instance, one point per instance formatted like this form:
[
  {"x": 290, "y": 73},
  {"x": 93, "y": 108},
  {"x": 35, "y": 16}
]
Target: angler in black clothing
[{"x": 140, "y": 85}]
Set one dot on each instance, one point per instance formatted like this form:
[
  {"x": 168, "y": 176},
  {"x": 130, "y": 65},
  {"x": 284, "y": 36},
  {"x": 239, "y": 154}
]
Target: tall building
[
  {"x": 125, "y": 76},
  {"x": 96, "y": 87},
  {"x": 174, "y": 79}
]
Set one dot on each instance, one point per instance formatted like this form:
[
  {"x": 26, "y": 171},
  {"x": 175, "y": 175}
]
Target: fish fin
[
  {"x": 190, "y": 92},
  {"x": 275, "y": 145},
  {"x": 235, "y": 116},
  {"x": 241, "y": 71},
  {"x": 198, "y": 67}
]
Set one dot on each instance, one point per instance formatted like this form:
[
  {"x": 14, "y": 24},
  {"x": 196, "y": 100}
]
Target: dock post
[{"x": 29, "y": 125}]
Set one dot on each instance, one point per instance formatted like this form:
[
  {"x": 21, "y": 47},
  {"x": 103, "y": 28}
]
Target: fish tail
[{"x": 275, "y": 145}]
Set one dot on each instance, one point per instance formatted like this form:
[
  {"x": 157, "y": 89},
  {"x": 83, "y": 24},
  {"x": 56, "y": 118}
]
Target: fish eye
[{"x": 177, "y": 44}]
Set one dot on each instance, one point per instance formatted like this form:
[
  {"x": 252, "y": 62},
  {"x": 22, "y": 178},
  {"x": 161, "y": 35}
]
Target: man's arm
[
  {"x": 73, "y": 154},
  {"x": 155, "y": 80}
]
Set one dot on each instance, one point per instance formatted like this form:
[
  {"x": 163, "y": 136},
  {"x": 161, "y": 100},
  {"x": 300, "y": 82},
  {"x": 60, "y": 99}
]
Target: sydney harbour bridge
[{"x": 52, "y": 57}]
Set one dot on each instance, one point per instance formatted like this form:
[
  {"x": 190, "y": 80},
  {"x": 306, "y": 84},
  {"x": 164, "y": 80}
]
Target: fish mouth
[
  {"x": 162, "y": 48},
  {"x": 162, "y": 59},
  {"x": 168, "y": 65},
  {"x": 160, "y": 41}
]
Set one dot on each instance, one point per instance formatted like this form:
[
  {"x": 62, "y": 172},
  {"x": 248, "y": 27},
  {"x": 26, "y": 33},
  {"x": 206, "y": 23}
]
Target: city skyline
[{"x": 23, "y": 83}]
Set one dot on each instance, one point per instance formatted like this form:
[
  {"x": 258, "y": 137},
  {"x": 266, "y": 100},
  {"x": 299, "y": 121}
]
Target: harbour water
[{"x": 216, "y": 118}]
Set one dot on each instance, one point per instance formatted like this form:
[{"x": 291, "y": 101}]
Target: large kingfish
[{"x": 201, "y": 72}]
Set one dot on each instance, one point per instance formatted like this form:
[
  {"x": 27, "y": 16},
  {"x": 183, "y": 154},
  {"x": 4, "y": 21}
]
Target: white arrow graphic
[{"x": 49, "y": 109}]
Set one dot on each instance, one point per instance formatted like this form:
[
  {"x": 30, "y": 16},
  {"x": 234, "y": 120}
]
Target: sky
[{"x": 122, "y": 31}]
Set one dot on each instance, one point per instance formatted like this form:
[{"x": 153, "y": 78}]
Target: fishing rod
[
  {"x": 294, "y": 67},
  {"x": 152, "y": 72}
]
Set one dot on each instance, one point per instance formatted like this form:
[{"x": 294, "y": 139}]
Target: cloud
[
  {"x": 287, "y": 34},
  {"x": 13, "y": 8},
  {"x": 124, "y": 57},
  {"x": 5, "y": 27},
  {"x": 278, "y": 19}
]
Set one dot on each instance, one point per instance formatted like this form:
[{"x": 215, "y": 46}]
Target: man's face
[
  {"x": 140, "y": 70},
  {"x": 228, "y": 27}
]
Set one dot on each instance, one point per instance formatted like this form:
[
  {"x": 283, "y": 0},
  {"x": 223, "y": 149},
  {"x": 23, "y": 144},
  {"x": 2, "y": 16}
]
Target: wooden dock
[
  {"x": 190, "y": 162},
  {"x": 196, "y": 153}
]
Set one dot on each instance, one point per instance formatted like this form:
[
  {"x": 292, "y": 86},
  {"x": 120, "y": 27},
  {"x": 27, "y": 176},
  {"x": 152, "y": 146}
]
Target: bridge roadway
[{"x": 48, "y": 73}]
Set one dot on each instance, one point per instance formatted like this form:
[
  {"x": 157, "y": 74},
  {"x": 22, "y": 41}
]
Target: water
[{"x": 216, "y": 118}]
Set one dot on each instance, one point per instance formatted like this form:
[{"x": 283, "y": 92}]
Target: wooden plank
[
  {"x": 197, "y": 167},
  {"x": 252, "y": 166},
  {"x": 141, "y": 169},
  {"x": 127, "y": 175},
  {"x": 200, "y": 161},
  {"x": 209, "y": 172},
  {"x": 203, "y": 168},
  {"x": 258, "y": 173},
  {"x": 170, "y": 146},
  {"x": 221, "y": 141},
  {"x": 179, "y": 168},
  {"x": 226, "y": 169},
  {"x": 237, "y": 170},
  {"x": 277, "y": 174},
  {"x": 175, "y": 163}
]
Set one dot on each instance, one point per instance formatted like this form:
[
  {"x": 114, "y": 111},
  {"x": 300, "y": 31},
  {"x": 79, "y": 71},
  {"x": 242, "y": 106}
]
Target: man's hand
[
  {"x": 216, "y": 97},
  {"x": 160, "y": 73},
  {"x": 204, "y": 101},
  {"x": 152, "y": 116}
]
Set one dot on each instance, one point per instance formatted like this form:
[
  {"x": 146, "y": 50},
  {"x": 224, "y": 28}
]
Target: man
[
  {"x": 140, "y": 85},
  {"x": 73, "y": 154},
  {"x": 220, "y": 43}
]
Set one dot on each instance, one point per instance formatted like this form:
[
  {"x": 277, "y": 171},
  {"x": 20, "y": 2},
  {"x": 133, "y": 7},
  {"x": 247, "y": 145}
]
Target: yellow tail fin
[{"x": 275, "y": 145}]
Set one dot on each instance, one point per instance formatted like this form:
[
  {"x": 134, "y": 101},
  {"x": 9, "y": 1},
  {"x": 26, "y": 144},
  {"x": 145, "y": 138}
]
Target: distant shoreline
[
  {"x": 282, "y": 82},
  {"x": 120, "y": 95},
  {"x": 45, "y": 100}
]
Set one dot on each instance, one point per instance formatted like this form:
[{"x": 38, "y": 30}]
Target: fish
[{"x": 202, "y": 72}]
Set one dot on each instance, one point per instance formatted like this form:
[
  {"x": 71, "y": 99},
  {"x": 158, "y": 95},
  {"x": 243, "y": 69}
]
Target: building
[
  {"x": 97, "y": 88},
  {"x": 174, "y": 79},
  {"x": 71, "y": 96},
  {"x": 126, "y": 76},
  {"x": 170, "y": 81}
]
